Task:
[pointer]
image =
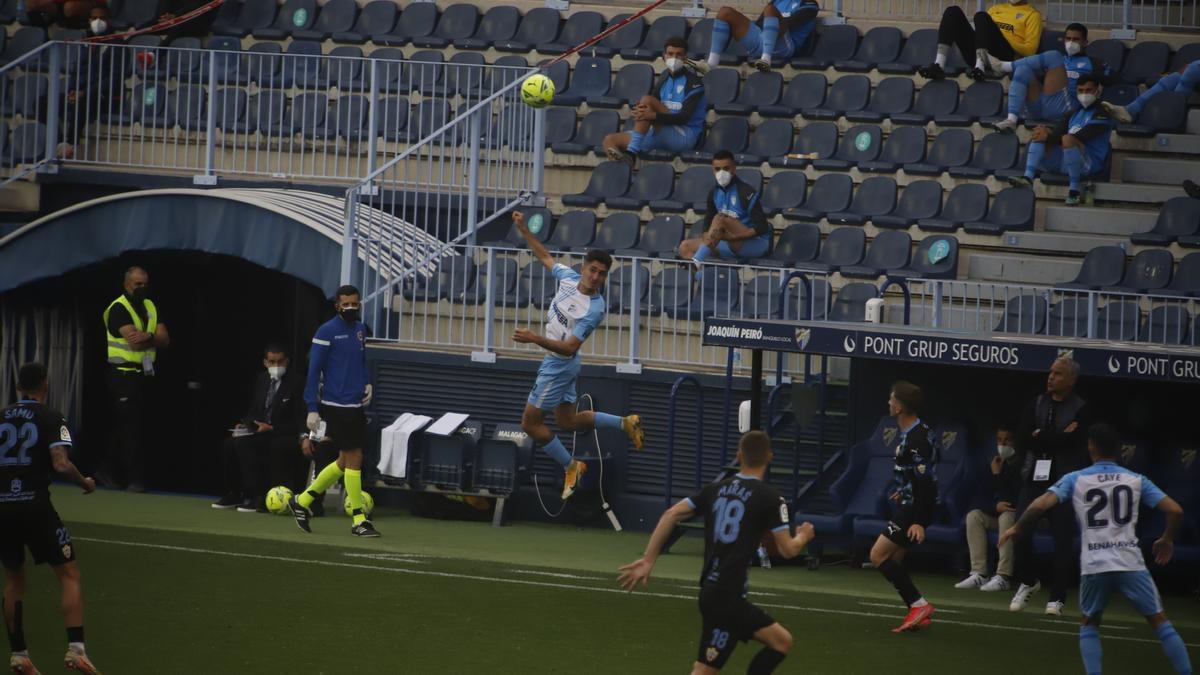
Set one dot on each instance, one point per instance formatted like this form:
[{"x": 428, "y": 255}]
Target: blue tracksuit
[{"x": 337, "y": 365}]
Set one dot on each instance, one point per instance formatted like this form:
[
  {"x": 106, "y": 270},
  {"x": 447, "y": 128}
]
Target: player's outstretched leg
[
  {"x": 301, "y": 505},
  {"x": 586, "y": 420},
  {"x": 777, "y": 642},
  {"x": 533, "y": 422},
  {"x": 886, "y": 556}
]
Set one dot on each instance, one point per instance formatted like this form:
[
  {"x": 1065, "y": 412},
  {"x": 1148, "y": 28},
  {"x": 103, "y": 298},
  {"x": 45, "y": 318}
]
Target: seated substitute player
[
  {"x": 1105, "y": 497},
  {"x": 1003, "y": 485},
  {"x": 670, "y": 119},
  {"x": 1007, "y": 30},
  {"x": 737, "y": 225},
  {"x": 576, "y": 311},
  {"x": 778, "y": 34},
  {"x": 738, "y": 513},
  {"x": 1184, "y": 82},
  {"x": 1045, "y": 83},
  {"x": 1081, "y": 141},
  {"x": 915, "y": 492},
  {"x": 28, "y": 519}
]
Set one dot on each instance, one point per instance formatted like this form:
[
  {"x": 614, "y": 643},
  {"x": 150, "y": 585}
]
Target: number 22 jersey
[
  {"x": 28, "y": 430},
  {"x": 737, "y": 512}
]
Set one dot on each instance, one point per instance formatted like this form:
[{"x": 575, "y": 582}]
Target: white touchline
[
  {"x": 560, "y": 575},
  {"x": 895, "y": 606},
  {"x": 572, "y": 587},
  {"x": 1063, "y": 622}
]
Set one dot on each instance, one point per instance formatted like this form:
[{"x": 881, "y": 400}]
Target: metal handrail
[{"x": 669, "y": 485}]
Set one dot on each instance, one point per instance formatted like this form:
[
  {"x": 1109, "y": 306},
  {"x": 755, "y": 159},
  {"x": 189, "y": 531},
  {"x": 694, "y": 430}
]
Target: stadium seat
[
  {"x": 1068, "y": 318},
  {"x": 146, "y": 101},
  {"x": 981, "y": 100},
  {"x": 880, "y": 45},
  {"x": 230, "y": 63},
  {"x": 417, "y": 20},
  {"x": 651, "y": 46},
  {"x": 851, "y": 301},
  {"x": 1024, "y": 314},
  {"x": 1178, "y": 217},
  {"x": 251, "y": 15},
  {"x": 760, "y": 298},
  {"x": 467, "y": 76},
  {"x": 514, "y": 68},
  {"x": 264, "y": 62},
  {"x": 628, "y": 284},
  {"x": 876, "y": 196},
  {"x": 619, "y": 231},
  {"x": 133, "y": 14},
  {"x": 1149, "y": 271},
  {"x": 1102, "y": 266},
  {"x": 660, "y": 238},
  {"x": 920, "y": 200},
  {"x": 633, "y": 81},
  {"x": 903, "y": 146},
  {"x": 425, "y": 74},
  {"x": 936, "y": 257},
  {"x": 805, "y": 91},
  {"x": 848, "y": 94},
  {"x": 937, "y": 98},
  {"x": 1119, "y": 94},
  {"x": 608, "y": 179},
  {"x": 700, "y": 39},
  {"x": 951, "y": 148},
  {"x": 343, "y": 69},
  {"x": 1165, "y": 113},
  {"x": 893, "y": 96},
  {"x": 347, "y": 118},
  {"x": 377, "y": 17},
  {"x": 861, "y": 490},
  {"x": 502, "y": 280},
  {"x": 772, "y": 138},
  {"x": 1110, "y": 53},
  {"x": 691, "y": 191},
  {"x": 1185, "y": 55},
  {"x": 830, "y": 193},
  {"x": 1118, "y": 321},
  {"x": 721, "y": 86},
  {"x": 574, "y": 230},
  {"x": 231, "y": 104},
  {"x": 1146, "y": 60},
  {"x": 798, "y": 243},
  {"x": 308, "y": 113},
  {"x": 27, "y": 96},
  {"x": 967, "y": 203},
  {"x": 996, "y": 152},
  {"x": 843, "y": 247},
  {"x": 1011, "y": 210},
  {"x": 718, "y": 290},
  {"x": 301, "y": 66},
  {"x": 652, "y": 182},
  {"x": 28, "y": 144},
  {"x": 560, "y": 125},
  {"x": 628, "y": 36},
  {"x": 752, "y": 177},
  {"x": 1187, "y": 278},
  {"x": 888, "y": 250},
  {"x": 457, "y": 22},
  {"x": 727, "y": 133},
  {"x": 536, "y": 286},
  {"x": 540, "y": 24},
  {"x": 266, "y": 111},
  {"x": 558, "y": 72},
  {"x": 592, "y": 77},
  {"x": 1167, "y": 324},
  {"x": 189, "y": 105},
  {"x": 817, "y": 140},
  {"x": 293, "y": 16},
  {"x": 919, "y": 50},
  {"x": 499, "y": 23},
  {"x": 760, "y": 89},
  {"x": 183, "y": 61},
  {"x": 514, "y": 239},
  {"x": 580, "y": 27},
  {"x": 335, "y": 16},
  {"x": 388, "y": 69},
  {"x": 834, "y": 43},
  {"x": 591, "y": 133},
  {"x": 25, "y": 40},
  {"x": 456, "y": 276},
  {"x": 786, "y": 190},
  {"x": 428, "y": 116},
  {"x": 670, "y": 289},
  {"x": 859, "y": 144}
]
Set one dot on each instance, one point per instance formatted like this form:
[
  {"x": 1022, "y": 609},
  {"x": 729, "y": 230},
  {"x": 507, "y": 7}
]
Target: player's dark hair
[
  {"x": 598, "y": 255},
  {"x": 909, "y": 395},
  {"x": 1086, "y": 78},
  {"x": 754, "y": 446},
  {"x": 275, "y": 347},
  {"x": 1077, "y": 27},
  {"x": 675, "y": 41},
  {"x": 346, "y": 290},
  {"x": 722, "y": 154},
  {"x": 31, "y": 377},
  {"x": 1105, "y": 439}
]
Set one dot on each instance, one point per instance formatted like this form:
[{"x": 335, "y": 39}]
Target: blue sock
[
  {"x": 1034, "y": 159},
  {"x": 720, "y": 40},
  {"x": 1089, "y": 649},
  {"x": 635, "y": 141},
  {"x": 558, "y": 452},
  {"x": 1172, "y": 82},
  {"x": 1190, "y": 78},
  {"x": 702, "y": 253},
  {"x": 607, "y": 421},
  {"x": 1173, "y": 646},
  {"x": 1073, "y": 160},
  {"x": 1018, "y": 89},
  {"x": 770, "y": 33}
]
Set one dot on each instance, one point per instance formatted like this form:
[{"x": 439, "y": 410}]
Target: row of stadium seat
[
  {"x": 1116, "y": 320},
  {"x": 1150, "y": 271}
]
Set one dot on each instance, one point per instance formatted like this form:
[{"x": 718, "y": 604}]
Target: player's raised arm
[
  {"x": 535, "y": 245},
  {"x": 639, "y": 570}
]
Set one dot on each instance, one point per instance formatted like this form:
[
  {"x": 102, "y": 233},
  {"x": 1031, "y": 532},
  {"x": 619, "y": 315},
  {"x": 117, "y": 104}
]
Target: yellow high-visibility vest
[{"x": 120, "y": 353}]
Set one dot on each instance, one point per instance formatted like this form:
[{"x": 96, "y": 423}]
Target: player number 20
[
  {"x": 728, "y": 513},
  {"x": 1121, "y": 502}
]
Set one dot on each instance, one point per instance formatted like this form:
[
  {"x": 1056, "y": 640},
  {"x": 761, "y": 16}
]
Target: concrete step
[
  {"x": 1056, "y": 242},
  {"x": 1193, "y": 122},
  {"x": 1137, "y": 193},
  {"x": 1021, "y": 269},
  {"x": 20, "y": 197},
  {"x": 1159, "y": 171},
  {"x": 1099, "y": 220},
  {"x": 1176, "y": 143}
]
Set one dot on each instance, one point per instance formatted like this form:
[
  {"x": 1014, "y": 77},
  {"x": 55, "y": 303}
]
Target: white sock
[
  {"x": 76, "y": 647},
  {"x": 1012, "y": 118},
  {"x": 714, "y": 60},
  {"x": 981, "y": 59},
  {"x": 921, "y": 602},
  {"x": 766, "y": 57},
  {"x": 940, "y": 59},
  {"x": 22, "y": 652},
  {"x": 1006, "y": 67}
]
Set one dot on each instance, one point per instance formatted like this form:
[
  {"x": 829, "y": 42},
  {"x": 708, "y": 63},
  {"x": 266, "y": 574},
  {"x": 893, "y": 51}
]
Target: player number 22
[
  {"x": 22, "y": 439},
  {"x": 728, "y": 513},
  {"x": 1122, "y": 506}
]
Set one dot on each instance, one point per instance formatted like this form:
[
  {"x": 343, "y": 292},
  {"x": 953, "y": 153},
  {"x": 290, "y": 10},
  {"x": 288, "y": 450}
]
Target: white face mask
[
  {"x": 1086, "y": 100},
  {"x": 1072, "y": 47},
  {"x": 276, "y": 372},
  {"x": 98, "y": 26},
  {"x": 1005, "y": 451},
  {"x": 724, "y": 178},
  {"x": 674, "y": 65}
]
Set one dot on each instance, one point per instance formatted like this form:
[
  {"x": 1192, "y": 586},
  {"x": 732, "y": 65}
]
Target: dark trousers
[
  {"x": 253, "y": 464},
  {"x": 129, "y": 396},
  {"x": 1062, "y": 527},
  {"x": 956, "y": 30}
]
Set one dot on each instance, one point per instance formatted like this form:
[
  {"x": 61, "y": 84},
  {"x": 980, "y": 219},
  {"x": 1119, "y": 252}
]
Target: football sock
[
  {"x": 1018, "y": 89},
  {"x": 981, "y": 59},
  {"x": 720, "y": 40},
  {"x": 75, "y": 639},
  {"x": 328, "y": 476},
  {"x": 921, "y": 602},
  {"x": 607, "y": 421},
  {"x": 16, "y": 631},
  {"x": 940, "y": 59},
  {"x": 765, "y": 661},
  {"x": 635, "y": 142},
  {"x": 702, "y": 253},
  {"x": 1036, "y": 152},
  {"x": 558, "y": 452},
  {"x": 895, "y": 573},
  {"x": 1089, "y": 649},
  {"x": 1073, "y": 162},
  {"x": 1190, "y": 78},
  {"x": 1173, "y": 646},
  {"x": 353, "y": 481},
  {"x": 770, "y": 33}
]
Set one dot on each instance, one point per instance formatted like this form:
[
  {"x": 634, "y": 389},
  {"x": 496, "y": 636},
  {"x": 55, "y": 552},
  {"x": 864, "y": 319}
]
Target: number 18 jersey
[
  {"x": 737, "y": 512},
  {"x": 1105, "y": 498}
]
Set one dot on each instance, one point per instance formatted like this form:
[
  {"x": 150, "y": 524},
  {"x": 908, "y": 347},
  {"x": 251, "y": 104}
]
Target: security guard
[{"x": 135, "y": 334}]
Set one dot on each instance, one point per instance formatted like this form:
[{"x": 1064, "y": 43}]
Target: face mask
[
  {"x": 1005, "y": 451},
  {"x": 1086, "y": 100},
  {"x": 1072, "y": 48},
  {"x": 276, "y": 372},
  {"x": 724, "y": 178},
  {"x": 98, "y": 26},
  {"x": 674, "y": 65},
  {"x": 349, "y": 315},
  {"x": 141, "y": 294}
]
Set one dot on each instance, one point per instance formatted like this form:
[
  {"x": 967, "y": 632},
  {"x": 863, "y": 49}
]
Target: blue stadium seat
[
  {"x": 608, "y": 179},
  {"x": 893, "y": 96},
  {"x": 880, "y": 45},
  {"x": 721, "y": 86},
  {"x": 535, "y": 286},
  {"x": 391, "y": 118},
  {"x": 798, "y": 243},
  {"x": 699, "y": 41},
  {"x": 861, "y": 490},
  {"x": 876, "y": 196},
  {"x": 951, "y": 148},
  {"x": 843, "y": 247},
  {"x": 308, "y": 113},
  {"x": 458, "y": 22},
  {"x": 633, "y": 81},
  {"x": 558, "y": 72},
  {"x": 1146, "y": 60},
  {"x": 851, "y": 302},
  {"x": 761, "y": 89},
  {"x": 936, "y": 257},
  {"x": 829, "y": 194},
  {"x": 1119, "y": 94},
  {"x": 134, "y": 14},
  {"x": 302, "y": 65},
  {"x": 575, "y": 230},
  {"x": 919, "y": 50},
  {"x": 1119, "y": 321},
  {"x": 455, "y": 277},
  {"x": 189, "y": 105},
  {"x": 772, "y": 138},
  {"x": 1068, "y": 318},
  {"x": 859, "y": 144},
  {"x": 251, "y": 15},
  {"x": 760, "y": 298},
  {"x": 28, "y": 144},
  {"x": 560, "y": 126},
  {"x": 968, "y": 202},
  {"x": 1024, "y": 314},
  {"x": 540, "y": 24},
  {"x": 660, "y": 238},
  {"x": 231, "y": 104},
  {"x": 652, "y": 182},
  {"x": 145, "y": 101},
  {"x": 834, "y": 43},
  {"x": 25, "y": 40},
  {"x": 1187, "y": 278},
  {"x": 293, "y": 16},
  {"x": 691, "y": 191},
  {"x": 591, "y": 133},
  {"x": 996, "y": 152},
  {"x": 1011, "y": 211},
  {"x": 937, "y": 98},
  {"x": 185, "y": 63},
  {"x": 619, "y": 231},
  {"x": 818, "y": 139},
  {"x": 628, "y": 36},
  {"x": 499, "y": 23},
  {"x": 804, "y": 91},
  {"x": 147, "y": 61},
  {"x": 627, "y": 284},
  {"x": 514, "y": 239},
  {"x": 1165, "y": 113},
  {"x": 888, "y": 250},
  {"x": 920, "y": 200},
  {"x": 1186, "y": 54},
  {"x": 467, "y": 76},
  {"x": 378, "y": 17},
  {"x": 1167, "y": 324},
  {"x": 786, "y": 190},
  {"x": 425, "y": 74},
  {"x": 266, "y": 111},
  {"x": 418, "y": 19},
  {"x": 347, "y": 118},
  {"x": 981, "y": 100},
  {"x": 1149, "y": 271},
  {"x": 651, "y": 46},
  {"x": 336, "y": 16},
  {"x": 427, "y": 117},
  {"x": 848, "y": 94},
  {"x": 264, "y": 62},
  {"x": 343, "y": 69},
  {"x": 1110, "y": 53},
  {"x": 27, "y": 96},
  {"x": 1102, "y": 266},
  {"x": 752, "y": 177},
  {"x": 903, "y": 146},
  {"x": 592, "y": 77},
  {"x": 230, "y": 63},
  {"x": 670, "y": 289},
  {"x": 389, "y": 69},
  {"x": 718, "y": 291},
  {"x": 513, "y": 68},
  {"x": 580, "y": 27},
  {"x": 501, "y": 278},
  {"x": 727, "y": 133}
]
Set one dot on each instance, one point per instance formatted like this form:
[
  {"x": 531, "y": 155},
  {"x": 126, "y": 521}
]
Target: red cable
[
  {"x": 605, "y": 33},
  {"x": 162, "y": 25}
]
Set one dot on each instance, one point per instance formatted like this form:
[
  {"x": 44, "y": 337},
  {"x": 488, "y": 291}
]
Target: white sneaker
[
  {"x": 1004, "y": 125},
  {"x": 1054, "y": 608},
  {"x": 699, "y": 65},
  {"x": 996, "y": 583},
  {"x": 1022, "y": 596},
  {"x": 1117, "y": 112},
  {"x": 995, "y": 65},
  {"x": 973, "y": 581}
]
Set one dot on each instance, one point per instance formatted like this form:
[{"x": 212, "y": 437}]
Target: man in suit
[{"x": 265, "y": 448}]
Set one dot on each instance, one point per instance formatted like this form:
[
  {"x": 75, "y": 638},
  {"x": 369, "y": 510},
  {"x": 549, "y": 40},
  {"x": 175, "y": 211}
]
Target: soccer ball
[
  {"x": 368, "y": 504},
  {"x": 278, "y": 498},
  {"x": 537, "y": 91}
]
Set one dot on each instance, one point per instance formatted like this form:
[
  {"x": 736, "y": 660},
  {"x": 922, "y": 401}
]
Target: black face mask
[
  {"x": 141, "y": 294},
  {"x": 349, "y": 315}
]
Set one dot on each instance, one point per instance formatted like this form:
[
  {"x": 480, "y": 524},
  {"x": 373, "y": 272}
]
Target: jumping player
[
  {"x": 36, "y": 440},
  {"x": 738, "y": 512},
  {"x": 576, "y": 311},
  {"x": 1105, "y": 497}
]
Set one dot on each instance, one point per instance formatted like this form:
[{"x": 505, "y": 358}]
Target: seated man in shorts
[
  {"x": 672, "y": 118},
  {"x": 778, "y": 34}
]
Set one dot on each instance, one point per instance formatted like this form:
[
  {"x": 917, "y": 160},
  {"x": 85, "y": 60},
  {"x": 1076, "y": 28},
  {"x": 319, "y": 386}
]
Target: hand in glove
[
  {"x": 314, "y": 419},
  {"x": 367, "y": 394}
]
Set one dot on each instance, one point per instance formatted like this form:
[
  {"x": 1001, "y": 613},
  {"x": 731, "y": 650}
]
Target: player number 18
[{"x": 728, "y": 514}]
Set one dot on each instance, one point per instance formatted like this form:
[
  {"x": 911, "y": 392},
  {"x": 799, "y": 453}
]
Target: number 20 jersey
[
  {"x": 1105, "y": 498},
  {"x": 28, "y": 430},
  {"x": 737, "y": 512}
]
